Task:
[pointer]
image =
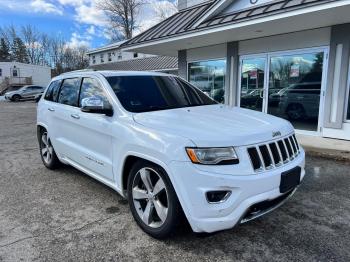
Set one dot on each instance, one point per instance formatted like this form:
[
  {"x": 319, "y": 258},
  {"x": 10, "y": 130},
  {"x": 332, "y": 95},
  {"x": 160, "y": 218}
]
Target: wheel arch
[
  {"x": 129, "y": 160},
  {"x": 39, "y": 129}
]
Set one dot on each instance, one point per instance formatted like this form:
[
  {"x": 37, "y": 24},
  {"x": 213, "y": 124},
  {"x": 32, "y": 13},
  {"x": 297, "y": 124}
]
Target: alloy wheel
[
  {"x": 150, "y": 197},
  {"x": 46, "y": 148}
]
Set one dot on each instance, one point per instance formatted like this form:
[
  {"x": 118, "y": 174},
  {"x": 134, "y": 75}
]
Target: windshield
[{"x": 146, "y": 93}]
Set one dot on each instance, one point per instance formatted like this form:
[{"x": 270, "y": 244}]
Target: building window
[
  {"x": 94, "y": 59},
  {"x": 109, "y": 57},
  {"x": 102, "y": 58},
  {"x": 135, "y": 55},
  {"x": 0, "y": 72},
  {"x": 209, "y": 76},
  {"x": 120, "y": 56},
  {"x": 14, "y": 72}
]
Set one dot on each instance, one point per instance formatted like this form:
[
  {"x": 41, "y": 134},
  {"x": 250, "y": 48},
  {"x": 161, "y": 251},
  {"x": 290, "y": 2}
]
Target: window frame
[
  {"x": 60, "y": 89},
  {"x": 47, "y": 90},
  {"x": 0, "y": 72},
  {"x": 347, "y": 99}
]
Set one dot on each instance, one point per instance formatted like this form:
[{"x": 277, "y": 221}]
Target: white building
[
  {"x": 14, "y": 74},
  {"x": 112, "y": 53},
  {"x": 288, "y": 58}
]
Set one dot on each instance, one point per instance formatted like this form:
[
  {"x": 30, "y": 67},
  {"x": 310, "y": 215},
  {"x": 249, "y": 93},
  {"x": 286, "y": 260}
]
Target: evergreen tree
[
  {"x": 19, "y": 51},
  {"x": 4, "y": 51}
]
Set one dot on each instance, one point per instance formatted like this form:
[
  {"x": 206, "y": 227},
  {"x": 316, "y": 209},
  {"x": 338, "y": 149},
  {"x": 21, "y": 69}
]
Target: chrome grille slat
[
  {"x": 269, "y": 155},
  {"x": 261, "y": 158},
  {"x": 286, "y": 148},
  {"x": 293, "y": 146}
]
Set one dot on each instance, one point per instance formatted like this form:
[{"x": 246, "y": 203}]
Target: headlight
[{"x": 213, "y": 156}]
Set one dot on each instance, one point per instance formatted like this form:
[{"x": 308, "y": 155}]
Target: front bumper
[{"x": 191, "y": 183}]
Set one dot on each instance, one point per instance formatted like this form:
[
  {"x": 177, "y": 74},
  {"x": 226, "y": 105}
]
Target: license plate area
[{"x": 290, "y": 179}]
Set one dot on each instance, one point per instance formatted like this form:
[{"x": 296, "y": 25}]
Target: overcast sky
[{"x": 78, "y": 21}]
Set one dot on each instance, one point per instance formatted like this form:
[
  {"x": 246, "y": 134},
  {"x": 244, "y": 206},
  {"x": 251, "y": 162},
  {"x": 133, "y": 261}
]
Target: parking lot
[{"x": 64, "y": 215}]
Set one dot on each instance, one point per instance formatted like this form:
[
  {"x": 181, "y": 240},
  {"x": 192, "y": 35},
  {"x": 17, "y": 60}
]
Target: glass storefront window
[
  {"x": 295, "y": 88},
  {"x": 290, "y": 89},
  {"x": 209, "y": 76}
]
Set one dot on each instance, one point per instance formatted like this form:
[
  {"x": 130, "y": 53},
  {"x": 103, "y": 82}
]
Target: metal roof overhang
[{"x": 319, "y": 16}]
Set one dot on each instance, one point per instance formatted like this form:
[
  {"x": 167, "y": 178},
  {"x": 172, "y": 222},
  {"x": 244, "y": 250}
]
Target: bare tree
[
  {"x": 28, "y": 45},
  {"x": 122, "y": 15},
  {"x": 164, "y": 9}
]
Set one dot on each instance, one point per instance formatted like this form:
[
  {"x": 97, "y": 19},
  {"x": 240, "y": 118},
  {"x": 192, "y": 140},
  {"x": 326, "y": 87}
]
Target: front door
[
  {"x": 95, "y": 132},
  {"x": 286, "y": 84},
  {"x": 252, "y": 83}
]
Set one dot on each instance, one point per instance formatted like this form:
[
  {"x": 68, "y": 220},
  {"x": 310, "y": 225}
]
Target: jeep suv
[{"x": 169, "y": 148}]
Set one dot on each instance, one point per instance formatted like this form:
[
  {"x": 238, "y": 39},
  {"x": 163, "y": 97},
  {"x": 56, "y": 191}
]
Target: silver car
[{"x": 25, "y": 92}]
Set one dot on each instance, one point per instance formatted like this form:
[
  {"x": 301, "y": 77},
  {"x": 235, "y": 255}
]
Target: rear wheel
[
  {"x": 295, "y": 112},
  {"x": 47, "y": 152},
  {"x": 152, "y": 199}
]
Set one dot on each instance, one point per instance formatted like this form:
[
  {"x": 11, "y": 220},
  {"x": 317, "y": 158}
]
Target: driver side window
[{"x": 91, "y": 88}]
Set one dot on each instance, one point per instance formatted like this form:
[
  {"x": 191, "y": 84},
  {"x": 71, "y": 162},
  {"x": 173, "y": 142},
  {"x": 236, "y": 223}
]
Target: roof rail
[{"x": 81, "y": 70}]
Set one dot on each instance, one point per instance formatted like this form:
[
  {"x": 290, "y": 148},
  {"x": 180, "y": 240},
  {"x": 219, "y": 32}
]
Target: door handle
[
  {"x": 51, "y": 109},
  {"x": 261, "y": 94},
  {"x": 75, "y": 116}
]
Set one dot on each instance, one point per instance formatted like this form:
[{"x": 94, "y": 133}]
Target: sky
[{"x": 78, "y": 21}]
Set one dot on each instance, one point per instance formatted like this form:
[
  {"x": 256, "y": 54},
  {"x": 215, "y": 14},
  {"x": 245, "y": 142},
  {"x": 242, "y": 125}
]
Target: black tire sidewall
[
  {"x": 16, "y": 98},
  {"x": 174, "y": 208},
  {"x": 54, "y": 159}
]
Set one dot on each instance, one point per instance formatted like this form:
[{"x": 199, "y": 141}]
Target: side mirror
[{"x": 96, "y": 105}]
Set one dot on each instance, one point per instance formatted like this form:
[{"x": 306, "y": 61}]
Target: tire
[
  {"x": 47, "y": 152},
  {"x": 157, "y": 213},
  {"x": 295, "y": 112},
  {"x": 16, "y": 98}
]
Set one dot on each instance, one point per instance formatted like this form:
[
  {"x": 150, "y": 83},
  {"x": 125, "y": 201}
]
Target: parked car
[
  {"x": 25, "y": 92},
  {"x": 252, "y": 99},
  {"x": 301, "y": 101},
  {"x": 169, "y": 148}
]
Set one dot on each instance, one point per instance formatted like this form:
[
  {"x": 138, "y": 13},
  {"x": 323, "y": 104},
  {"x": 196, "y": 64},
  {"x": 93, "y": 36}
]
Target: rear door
[
  {"x": 63, "y": 119},
  {"x": 48, "y": 107},
  {"x": 27, "y": 92}
]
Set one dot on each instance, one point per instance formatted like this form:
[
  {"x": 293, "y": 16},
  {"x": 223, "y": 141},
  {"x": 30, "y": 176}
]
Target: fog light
[{"x": 214, "y": 197}]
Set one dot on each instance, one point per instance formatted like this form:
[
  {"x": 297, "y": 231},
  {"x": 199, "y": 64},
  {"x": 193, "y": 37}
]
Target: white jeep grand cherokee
[{"x": 169, "y": 149}]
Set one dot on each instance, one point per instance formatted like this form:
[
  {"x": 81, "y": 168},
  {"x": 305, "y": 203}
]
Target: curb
[{"x": 336, "y": 155}]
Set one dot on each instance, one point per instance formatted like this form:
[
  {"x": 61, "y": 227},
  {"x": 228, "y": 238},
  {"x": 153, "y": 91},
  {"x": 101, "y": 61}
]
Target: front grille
[{"x": 273, "y": 154}]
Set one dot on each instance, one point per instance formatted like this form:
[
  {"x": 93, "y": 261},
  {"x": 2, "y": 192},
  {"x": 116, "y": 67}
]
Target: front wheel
[
  {"x": 152, "y": 199},
  {"x": 16, "y": 98}
]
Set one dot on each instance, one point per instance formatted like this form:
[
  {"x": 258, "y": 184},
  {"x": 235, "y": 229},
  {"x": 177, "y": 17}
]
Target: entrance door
[
  {"x": 286, "y": 84},
  {"x": 252, "y": 83}
]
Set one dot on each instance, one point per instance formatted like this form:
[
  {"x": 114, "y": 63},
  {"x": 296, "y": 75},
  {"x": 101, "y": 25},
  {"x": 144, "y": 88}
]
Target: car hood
[
  {"x": 10, "y": 93},
  {"x": 217, "y": 125}
]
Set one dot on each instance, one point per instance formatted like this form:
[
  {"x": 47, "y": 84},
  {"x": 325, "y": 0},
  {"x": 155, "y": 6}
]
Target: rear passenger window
[
  {"x": 92, "y": 88},
  {"x": 69, "y": 92},
  {"x": 51, "y": 90}
]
